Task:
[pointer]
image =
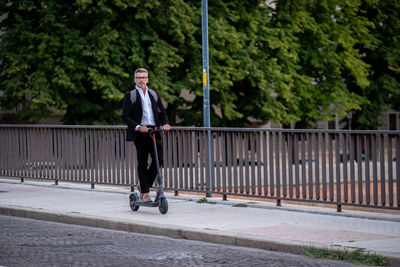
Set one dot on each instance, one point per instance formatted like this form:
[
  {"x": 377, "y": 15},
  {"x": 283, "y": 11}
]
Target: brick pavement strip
[
  {"x": 39, "y": 243},
  {"x": 205, "y": 235}
]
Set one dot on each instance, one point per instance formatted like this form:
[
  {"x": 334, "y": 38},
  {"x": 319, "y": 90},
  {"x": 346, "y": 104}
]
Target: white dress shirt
[{"x": 148, "y": 116}]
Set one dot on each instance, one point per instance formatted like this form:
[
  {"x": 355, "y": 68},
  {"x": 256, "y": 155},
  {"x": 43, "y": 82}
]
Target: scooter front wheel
[{"x": 163, "y": 205}]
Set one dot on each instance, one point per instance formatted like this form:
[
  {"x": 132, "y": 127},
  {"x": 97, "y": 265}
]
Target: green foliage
[
  {"x": 357, "y": 256},
  {"x": 56, "y": 57},
  {"x": 79, "y": 56},
  {"x": 326, "y": 34},
  {"x": 301, "y": 61},
  {"x": 202, "y": 200},
  {"x": 384, "y": 89},
  {"x": 240, "y": 205},
  {"x": 292, "y": 63}
]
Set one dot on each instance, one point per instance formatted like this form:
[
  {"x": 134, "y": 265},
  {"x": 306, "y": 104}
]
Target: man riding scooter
[{"x": 142, "y": 108}]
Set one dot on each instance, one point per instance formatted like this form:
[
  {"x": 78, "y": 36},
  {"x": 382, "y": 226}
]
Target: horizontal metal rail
[{"x": 341, "y": 167}]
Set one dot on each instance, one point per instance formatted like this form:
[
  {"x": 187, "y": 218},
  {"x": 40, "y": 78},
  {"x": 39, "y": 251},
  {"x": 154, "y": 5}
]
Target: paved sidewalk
[{"x": 288, "y": 228}]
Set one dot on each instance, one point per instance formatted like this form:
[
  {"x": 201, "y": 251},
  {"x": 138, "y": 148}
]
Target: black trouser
[{"x": 144, "y": 148}]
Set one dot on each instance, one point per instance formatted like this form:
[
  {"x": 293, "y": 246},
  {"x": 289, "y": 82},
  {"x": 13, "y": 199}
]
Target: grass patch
[
  {"x": 358, "y": 256},
  {"x": 240, "y": 205},
  {"x": 202, "y": 200}
]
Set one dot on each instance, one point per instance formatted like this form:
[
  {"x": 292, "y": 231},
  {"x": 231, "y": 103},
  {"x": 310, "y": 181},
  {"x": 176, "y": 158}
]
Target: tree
[
  {"x": 79, "y": 56},
  {"x": 327, "y": 35},
  {"x": 297, "y": 61},
  {"x": 289, "y": 63},
  {"x": 56, "y": 56},
  {"x": 384, "y": 89}
]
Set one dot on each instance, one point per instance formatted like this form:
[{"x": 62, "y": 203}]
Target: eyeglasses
[{"x": 141, "y": 78}]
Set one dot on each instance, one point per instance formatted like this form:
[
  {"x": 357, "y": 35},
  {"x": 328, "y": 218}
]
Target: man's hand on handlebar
[
  {"x": 167, "y": 127},
  {"x": 143, "y": 129}
]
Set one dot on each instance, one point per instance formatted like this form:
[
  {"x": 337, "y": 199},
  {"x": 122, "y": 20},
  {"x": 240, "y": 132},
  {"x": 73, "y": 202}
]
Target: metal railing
[{"x": 341, "y": 167}]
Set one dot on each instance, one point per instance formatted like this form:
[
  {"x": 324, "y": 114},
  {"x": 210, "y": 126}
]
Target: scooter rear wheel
[
  {"x": 163, "y": 206},
  {"x": 132, "y": 204}
]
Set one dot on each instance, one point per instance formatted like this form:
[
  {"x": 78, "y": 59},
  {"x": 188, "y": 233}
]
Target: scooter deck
[{"x": 146, "y": 204}]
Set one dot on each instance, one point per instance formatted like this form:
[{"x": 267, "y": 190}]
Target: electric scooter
[{"x": 160, "y": 200}]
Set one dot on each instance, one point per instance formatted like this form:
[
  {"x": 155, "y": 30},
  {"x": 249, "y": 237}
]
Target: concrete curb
[{"x": 205, "y": 235}]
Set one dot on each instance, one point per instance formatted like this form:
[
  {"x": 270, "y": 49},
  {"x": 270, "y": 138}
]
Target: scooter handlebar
[{"x": 155, "y": 128}]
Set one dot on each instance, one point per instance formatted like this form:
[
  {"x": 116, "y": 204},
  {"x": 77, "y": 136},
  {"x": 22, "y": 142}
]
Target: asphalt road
[{"x": 27, "y": 242}]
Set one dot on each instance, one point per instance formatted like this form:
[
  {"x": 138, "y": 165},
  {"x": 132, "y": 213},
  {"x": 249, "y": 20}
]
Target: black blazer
[{"x": 132, "y": 113}]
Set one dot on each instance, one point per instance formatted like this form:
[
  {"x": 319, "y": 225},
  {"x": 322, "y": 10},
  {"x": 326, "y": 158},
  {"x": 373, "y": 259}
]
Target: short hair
[{"x": 140, "y": 70}]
